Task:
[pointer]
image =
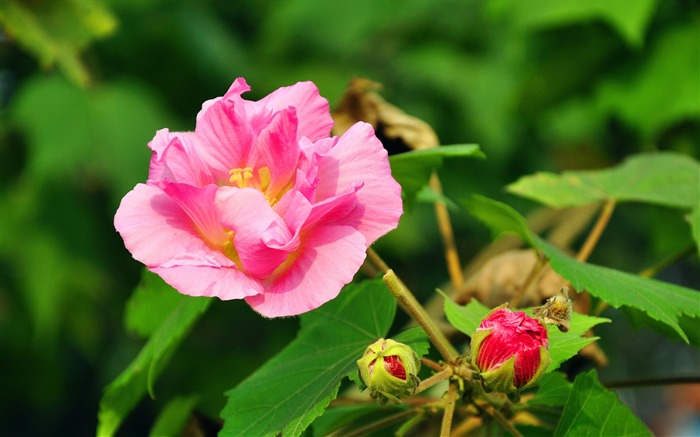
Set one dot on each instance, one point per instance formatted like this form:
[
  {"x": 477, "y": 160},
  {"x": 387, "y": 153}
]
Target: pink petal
[
  {"x": 159, "y": 233},
  {"x": 198, "y": 204},
  {"x": 175, "y": 158},
  {"x": 225, "y": 135},
  {"x": 256, "y": 227},
  {"x": 277, "y": 148},
  {"x": 327, "y": 260},
  {"x": 238, "y": 87},
  {"x": 357, "y": 157},
  {"x": 315, "y": 121},
  {"x": 335, "y": 208},
  {"x": 223, "y": 282}
]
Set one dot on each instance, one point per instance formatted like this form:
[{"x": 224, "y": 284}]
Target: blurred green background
[{"x": 540, "y": 85}]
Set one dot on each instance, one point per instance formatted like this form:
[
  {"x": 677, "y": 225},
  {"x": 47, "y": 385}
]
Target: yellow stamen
[
  {"x": 240, "y": 176},
  {"x": 264, "y": 175},
  {"x": 230, "y": 251}
]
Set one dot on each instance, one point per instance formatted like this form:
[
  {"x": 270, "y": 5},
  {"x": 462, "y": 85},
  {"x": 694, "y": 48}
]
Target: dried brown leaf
[{"x": 362, "y": 102}]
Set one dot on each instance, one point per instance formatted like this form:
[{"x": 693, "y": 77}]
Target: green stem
[
  {"x": 449, "y": 410},
  {"x": 409, "y": 303},
  {"x": 444, "y": 374}
]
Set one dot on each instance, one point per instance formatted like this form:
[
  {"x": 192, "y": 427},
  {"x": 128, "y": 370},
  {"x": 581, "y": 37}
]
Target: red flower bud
[
  {"x": 390, "y": 370},
  {"x": 509, "y": 349}
]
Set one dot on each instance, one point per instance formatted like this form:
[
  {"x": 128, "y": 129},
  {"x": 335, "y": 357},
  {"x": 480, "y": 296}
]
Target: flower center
[
  {"x": 246, "y": 177},
  {"x": 240, "y": 176}
]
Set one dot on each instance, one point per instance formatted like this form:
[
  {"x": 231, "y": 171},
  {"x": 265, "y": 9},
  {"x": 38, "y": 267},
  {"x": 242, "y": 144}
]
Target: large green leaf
[
  {"x": 630, "y": 19},
  {"x": 640, "y": 96},
  {"x": 465, "y": 318},
  {"x": 661, "y": 301},
  {"x": 131, "y": 385},
  {"x": 694, "y": 219},
  {"x": 667, "y": 178},
  {"x": 499, "y": 217},
  {"x": 150, "y": 304},
  {"x": 413, "y": 169},
  {"x": 82, "y": 133},
  {"x": 562, "y": 345},
  {"x": 592, "y": 410},
  {"x": 553, "y": 390},
  {"x": 292, "y": 389}
]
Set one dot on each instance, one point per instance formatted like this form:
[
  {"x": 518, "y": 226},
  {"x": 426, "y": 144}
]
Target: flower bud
[
  {"x": 509, "y": 350},
  {"x": 389, "y": 369}
]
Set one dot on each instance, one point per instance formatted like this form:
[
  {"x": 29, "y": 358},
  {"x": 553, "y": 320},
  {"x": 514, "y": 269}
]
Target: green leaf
[
  {"x": 293, "y": 388},
  {"x": 174, "y": 416},
  {"x": 413, "y": 169},
  {"x": 82, "y": 132},
  {"x": 465, "y": 318},
  {"x": 659, "y": 300},
  {"x": 564, "y": 345},
  {"x": 56, "y": 32},
  {"x": 416, "y": 338},
  {"x": 150, "y": 304},
  {"x": 499, "y": 217},
  {"x": 553, "y": 390},
  {"x": 128, "y": 388},
  {"x": 663, "y": 178},
  {"x": 630, "y": 19},
  {"x": 592, "y": 410},
  {"x": 640, "y": 96},
  {"x": 694, "y": 219}
]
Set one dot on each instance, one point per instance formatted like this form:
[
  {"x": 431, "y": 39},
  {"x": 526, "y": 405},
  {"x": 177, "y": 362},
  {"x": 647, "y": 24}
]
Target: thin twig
[
  {"x": 411, "y": 305},
  {"x": 427, "y": 362},
  {"x": 654, "y": 269},
  {"x": 454, "y": 266},
  {"x": 377, "y": 261},
  {"x": 493, "y": 412},
  {"x": 598, "y": 228},
  {"x": 444, "y": 374},
  {"x": 539, "y": 266},
  {"x": 653, "y": 381},
  {"x": 379, "y": 424},
  {"x": 449, "y": 410},
  {"x": 467, "y": 425}
]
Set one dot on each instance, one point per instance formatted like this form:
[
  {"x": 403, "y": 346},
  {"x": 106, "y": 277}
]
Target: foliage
[{"x": 574, "y": 104}]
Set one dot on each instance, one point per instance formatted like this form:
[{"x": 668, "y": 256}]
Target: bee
[{"x": 556, "y": 311}]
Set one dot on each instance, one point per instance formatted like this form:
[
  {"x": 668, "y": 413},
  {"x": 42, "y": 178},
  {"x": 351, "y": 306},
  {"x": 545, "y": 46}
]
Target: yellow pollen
[{"x": 240, "y": 176}]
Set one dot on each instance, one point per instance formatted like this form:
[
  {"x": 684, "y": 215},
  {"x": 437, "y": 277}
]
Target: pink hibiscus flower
[{"x": 258, "y": 203}]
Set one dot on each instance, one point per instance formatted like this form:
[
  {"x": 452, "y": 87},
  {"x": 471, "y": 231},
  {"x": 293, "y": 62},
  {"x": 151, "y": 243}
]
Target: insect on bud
[
  {"x": 509, "y": 350},
  {"x": 556, "y": 311},
  {"x": 389, "y": 369}
]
